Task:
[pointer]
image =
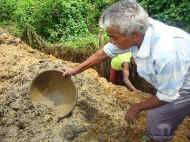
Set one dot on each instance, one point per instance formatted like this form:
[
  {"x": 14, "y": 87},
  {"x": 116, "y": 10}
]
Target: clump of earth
[{"x": 97, "y": 117}]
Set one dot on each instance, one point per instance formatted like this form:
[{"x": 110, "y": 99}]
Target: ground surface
[{"x": 97, "y": 117}]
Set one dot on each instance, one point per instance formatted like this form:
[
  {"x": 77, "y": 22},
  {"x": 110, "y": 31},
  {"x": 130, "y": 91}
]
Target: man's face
[{"x": 120, "y": 40}]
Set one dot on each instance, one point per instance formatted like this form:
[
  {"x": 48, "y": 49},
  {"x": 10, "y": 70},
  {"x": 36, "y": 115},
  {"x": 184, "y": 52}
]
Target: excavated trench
[{"x": 97, "y": 117}]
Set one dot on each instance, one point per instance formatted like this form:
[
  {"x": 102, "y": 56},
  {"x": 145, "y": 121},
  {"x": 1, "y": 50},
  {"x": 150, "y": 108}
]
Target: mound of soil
[{"x": 97, "y": 117}]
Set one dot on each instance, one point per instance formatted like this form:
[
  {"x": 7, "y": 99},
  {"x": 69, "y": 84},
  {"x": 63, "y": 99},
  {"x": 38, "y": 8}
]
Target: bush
[
  {"x": 88, "y": 41},
  {"x": 7, "y": 7},
  {"x": 60, "y": 20},
  {"x": 57, "y": 20},
  {"x": 173, "y": 12},
  {"x": 66, "y": 20},
  {"x": 25, "y": 12}
]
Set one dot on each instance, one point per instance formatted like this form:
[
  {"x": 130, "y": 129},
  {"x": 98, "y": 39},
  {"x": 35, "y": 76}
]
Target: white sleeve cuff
[
  {"x": 108, "y": 49},
  {"x": 111, "y": 50},
  {"x": 167, "y": 98}
]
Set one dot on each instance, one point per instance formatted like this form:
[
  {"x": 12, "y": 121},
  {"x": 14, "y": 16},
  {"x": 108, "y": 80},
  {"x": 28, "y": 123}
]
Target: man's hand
[
  {"x": 69, "y": 72},
  {"x": 132, "y": 113},
  {"x": 149, "y": 103}
]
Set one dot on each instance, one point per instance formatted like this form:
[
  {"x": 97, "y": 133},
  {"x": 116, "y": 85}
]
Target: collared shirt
[{"x": 163, "y": 59}]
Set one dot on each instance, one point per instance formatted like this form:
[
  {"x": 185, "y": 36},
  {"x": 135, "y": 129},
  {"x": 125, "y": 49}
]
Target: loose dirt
[{"x": 97, "y": 117}]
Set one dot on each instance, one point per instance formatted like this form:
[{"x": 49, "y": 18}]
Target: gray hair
[{"x": 127, "y": 15}]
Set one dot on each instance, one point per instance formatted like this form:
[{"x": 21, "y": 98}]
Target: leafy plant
[
  {"x": 67, "y": 21},
  {"x": 173, "y": 12},
  {"x": 7, "y": 7}
]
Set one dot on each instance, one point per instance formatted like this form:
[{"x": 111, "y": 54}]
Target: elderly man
[{"x": 162, "y": 55}]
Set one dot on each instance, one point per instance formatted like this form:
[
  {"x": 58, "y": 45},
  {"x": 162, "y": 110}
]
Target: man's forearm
[
  {"x": 150, "y": 103},
  {"x": 96, "y": 58}
]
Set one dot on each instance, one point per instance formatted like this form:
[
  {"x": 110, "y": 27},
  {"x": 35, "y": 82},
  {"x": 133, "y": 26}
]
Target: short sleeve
[{"x": 111, "y": 50}]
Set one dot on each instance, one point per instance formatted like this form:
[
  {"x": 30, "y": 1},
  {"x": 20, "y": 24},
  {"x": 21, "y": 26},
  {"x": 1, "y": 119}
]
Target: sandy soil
[{"x": 97, "y": 117}]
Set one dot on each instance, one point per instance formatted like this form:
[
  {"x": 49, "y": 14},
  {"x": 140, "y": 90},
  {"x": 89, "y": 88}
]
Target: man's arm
[
  {"x": 150, "y": 103},
  {"x": 98, "y": 57},
  {"x": 169, "y": 80}
]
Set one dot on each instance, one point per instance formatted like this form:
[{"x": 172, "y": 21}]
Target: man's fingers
[
  {"x": 130, "y": 119},
  {"x": 131, "y": 125},
  {"x": 65, "y": 73},
  {"x": 131, "y": 122},
  {"x": 68, "y": 72}
]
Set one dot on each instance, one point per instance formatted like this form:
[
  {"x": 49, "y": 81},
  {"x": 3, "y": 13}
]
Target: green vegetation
[
  {"x": 75, "y": 22},
  {"x": 173, "y": 12},
  {"x": 7, "y": 8}
]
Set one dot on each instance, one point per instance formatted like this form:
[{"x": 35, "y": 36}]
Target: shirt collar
[{"x": 144, "y": 50}]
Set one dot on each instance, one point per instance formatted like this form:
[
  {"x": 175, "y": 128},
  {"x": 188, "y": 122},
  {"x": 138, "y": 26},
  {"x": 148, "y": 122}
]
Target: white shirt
[{"x": 163, "y": 59}]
